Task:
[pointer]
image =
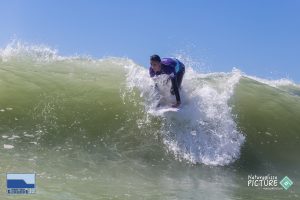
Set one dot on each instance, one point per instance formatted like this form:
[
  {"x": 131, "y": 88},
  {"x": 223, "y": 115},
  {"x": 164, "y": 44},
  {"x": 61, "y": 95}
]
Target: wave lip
[{"x": 18, "y": 50}]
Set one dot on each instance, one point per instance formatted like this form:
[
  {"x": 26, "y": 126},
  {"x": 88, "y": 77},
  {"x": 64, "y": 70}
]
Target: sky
[{"x": 259, "y": 37}]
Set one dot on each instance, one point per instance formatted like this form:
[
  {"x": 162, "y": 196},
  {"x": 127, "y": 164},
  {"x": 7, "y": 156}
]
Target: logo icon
[
  {"x": 20, "y": 183},
  {"x": 286, "y": 182}
]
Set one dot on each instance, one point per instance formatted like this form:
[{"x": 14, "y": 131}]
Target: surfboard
[
  {"x": 167, "y": 109},
  {"x": 162, "y": 110}
]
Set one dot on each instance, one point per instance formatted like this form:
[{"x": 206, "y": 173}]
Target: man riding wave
[{"x": 172, "y": 67}]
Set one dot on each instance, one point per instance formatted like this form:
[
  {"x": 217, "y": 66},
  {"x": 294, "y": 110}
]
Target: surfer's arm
[{"x": 151, "y": 72}]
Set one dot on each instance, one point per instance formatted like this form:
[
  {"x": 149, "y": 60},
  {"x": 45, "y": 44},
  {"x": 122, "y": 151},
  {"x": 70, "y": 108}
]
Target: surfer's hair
[{"x": 155, "y": 58}]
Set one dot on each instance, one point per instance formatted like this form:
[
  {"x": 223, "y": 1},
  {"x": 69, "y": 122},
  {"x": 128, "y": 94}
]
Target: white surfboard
[{"x": 162, "y": 110}]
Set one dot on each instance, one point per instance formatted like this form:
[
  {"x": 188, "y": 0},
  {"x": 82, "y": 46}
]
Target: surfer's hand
[
  {"x": 166, "y": 81},
  {"x": 176, "y": 105}
]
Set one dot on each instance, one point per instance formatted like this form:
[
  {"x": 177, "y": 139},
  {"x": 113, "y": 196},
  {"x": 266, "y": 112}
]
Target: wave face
[
  {"x": 61, "y": 94},
  {"x": 79, "y": 117}
]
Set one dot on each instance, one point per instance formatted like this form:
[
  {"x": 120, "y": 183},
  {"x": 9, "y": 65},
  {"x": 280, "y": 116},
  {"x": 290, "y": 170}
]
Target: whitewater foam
[
  {"x": 203, "y": 131},
  {"x": 18, "y": 49}
]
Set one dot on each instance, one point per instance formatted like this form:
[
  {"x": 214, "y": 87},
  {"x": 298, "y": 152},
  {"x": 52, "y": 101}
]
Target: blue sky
[{"x": 259, "y": 37}]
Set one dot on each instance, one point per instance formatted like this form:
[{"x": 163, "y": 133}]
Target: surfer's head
[{"x": 155, "y": 62}]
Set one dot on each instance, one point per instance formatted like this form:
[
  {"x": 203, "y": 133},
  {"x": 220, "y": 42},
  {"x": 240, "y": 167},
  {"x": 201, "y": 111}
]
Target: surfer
[{"x": 172, "y": 67}]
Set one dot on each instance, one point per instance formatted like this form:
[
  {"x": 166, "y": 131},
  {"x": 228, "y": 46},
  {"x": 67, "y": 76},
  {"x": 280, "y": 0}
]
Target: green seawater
[{"x": 75, "y": 123}]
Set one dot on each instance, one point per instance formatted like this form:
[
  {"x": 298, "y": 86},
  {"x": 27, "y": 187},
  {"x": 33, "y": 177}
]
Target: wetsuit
[{"x": 175, "y": 69}]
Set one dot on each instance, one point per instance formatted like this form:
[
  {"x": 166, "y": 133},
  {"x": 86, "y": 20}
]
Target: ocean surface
[{"x": 88, "y": 128}]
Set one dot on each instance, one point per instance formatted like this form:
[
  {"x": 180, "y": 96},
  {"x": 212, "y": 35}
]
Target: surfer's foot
[{"x": 176, "y": 105}]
